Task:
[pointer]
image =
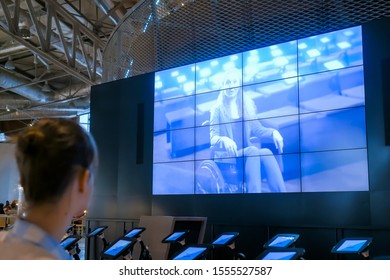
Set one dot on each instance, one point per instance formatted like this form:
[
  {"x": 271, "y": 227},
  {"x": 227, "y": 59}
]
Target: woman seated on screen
[{"x": 227, "y": 132}]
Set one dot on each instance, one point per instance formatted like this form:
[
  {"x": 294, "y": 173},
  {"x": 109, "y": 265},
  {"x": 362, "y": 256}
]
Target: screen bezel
[
  {"x": 72, "y": 243},
  {"x": 298, "y": 252},
  {"x": 281, "y": 235},
  {"x": 97, "y": 231},
  {"x": 197, "y": 257},
  {"x": 367, "y": 242},
  {"x": 177, "y": 239},
  {"x": 141, "y": 230},
  {"x": 125, "y": 248},
  {"x": 229, "y": 241}
]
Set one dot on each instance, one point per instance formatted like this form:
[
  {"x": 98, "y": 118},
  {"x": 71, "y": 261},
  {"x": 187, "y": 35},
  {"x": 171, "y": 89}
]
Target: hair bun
[{"x": 30, "y": 142}]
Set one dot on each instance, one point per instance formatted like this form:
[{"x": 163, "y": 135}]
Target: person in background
[
  {"x": 2, "y": 209},
  {"x": 56, "y": 159},
  {"x": 226, "y": 131},
  {"x": 7, "y": 206},
  {"x": 13, "y": 208}
]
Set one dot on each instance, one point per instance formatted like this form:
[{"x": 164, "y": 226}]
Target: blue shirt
[{"x": 33, "y": 236}]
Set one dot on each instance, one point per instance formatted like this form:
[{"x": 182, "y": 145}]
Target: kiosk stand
[
  {"x": 281, "y": 247},
  {"x": 124, "y": 246},
  {"x": 70, "y": 244},
  {"x": 353, "y": 245},
  {"x": 145, "y": 253},
  {"x": 176, "y": 241},
  {"x": 283, "y": 240},
  {"x": 99, "y": 232}
]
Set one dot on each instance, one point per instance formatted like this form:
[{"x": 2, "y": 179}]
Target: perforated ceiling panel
[{"x": 161, "y": 34}]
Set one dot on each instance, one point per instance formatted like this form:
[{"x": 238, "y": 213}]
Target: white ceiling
[{"x": 51, "y": 53}]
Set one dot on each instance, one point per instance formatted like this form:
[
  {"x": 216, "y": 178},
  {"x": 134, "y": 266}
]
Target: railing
[
  {"x": 117, "y": 227},
  {"x": 6, "y": 221}
]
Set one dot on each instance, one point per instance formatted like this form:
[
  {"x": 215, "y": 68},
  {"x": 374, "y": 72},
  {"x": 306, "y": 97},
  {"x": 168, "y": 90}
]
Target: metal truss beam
[
  {"x": 81, "y": 51},
  {"x": 37, "y": 81}
]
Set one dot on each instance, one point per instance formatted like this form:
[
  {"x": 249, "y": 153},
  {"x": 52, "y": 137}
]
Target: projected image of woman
[{"x": 227, "y": 132}]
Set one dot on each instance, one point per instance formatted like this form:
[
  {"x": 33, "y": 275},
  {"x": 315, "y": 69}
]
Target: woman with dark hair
[
  {"x": 7, "y": 206},
  {"x": 228, "y": 132},
  {"x": 56, "y": 159}
]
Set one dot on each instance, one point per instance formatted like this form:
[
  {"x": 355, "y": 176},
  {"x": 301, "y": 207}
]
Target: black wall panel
[
  {"x": 123, "y": 185},
  {"x": 125, "y": 177}
]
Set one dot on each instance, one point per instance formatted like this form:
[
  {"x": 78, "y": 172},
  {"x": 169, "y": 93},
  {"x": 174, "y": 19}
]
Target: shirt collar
[{"x": 34, "y": 234}]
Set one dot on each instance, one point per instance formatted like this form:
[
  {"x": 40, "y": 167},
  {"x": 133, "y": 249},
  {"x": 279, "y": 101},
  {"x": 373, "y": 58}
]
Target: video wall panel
[{"x": 284, "y": 118}]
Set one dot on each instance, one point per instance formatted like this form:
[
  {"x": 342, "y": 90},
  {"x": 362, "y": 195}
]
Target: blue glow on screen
[
  {"x": 173, "y": 83},
  {"x": 117, "y": 247},
  {"x": 210, "y": 74},
  {"x": 190, "y": 253},
  {"x": 133, "y": 233},
  {"x": 223, "y": 239},
  {"x": 282, "y": 241},
  {"x": 175, "y": 236},
  {"x": 96, "y": 231},
  {"x": 270, "y": 63},
  {"x": 279, "y": 256},
  {"x": 316, "y": 52},
  {"x": 67, "y": 241},
  {"x": 298, "y": 123},
  {"x": 352, "y": 246}
]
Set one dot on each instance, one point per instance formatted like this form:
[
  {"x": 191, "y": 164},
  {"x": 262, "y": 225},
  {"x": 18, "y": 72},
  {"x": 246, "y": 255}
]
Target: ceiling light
[
  {"x": 46, "y": 87},
  {"x": 9, "y": 64},
  {"x": 24, "y": 31}
]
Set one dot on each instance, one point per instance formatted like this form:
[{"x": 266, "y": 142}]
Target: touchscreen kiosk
[
  {"x": 284, "y": 240},
  {"x": 117, "y": 249},
  {"x": 69, "y": 229},
  {"x": 134, "y": 233},
  {"x": 281, "y": 254},
  {"x": 191, "y": 253},
  {"x": 175, "y": 237},
  {"x": 352, "y": 245},
  {"x": 69, "y": 241},
  {"x": 225, "y": 238},
  {"x": 97, "y": 231}
]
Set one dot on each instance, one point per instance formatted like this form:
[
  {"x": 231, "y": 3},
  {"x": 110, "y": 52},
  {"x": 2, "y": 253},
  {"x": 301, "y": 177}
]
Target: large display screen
[{"x": 283, "y": 118}]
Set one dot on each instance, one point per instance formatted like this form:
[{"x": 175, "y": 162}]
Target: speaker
[
  {"x": 140, "y": 133},
  {"x": 386, "y": 98}
]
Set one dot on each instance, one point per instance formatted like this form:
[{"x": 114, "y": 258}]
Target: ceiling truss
[
  {"x": 56, "y": 48},
  {"x": 83, "y": 51}
]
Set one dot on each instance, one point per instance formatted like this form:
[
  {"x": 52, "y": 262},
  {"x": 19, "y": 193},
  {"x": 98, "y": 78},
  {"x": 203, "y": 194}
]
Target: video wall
[{"x": 284, "y": 118}]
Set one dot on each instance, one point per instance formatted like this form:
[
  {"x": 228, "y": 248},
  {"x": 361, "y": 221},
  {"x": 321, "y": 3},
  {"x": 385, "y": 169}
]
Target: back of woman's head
[{"x": 49, "y": 154}]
